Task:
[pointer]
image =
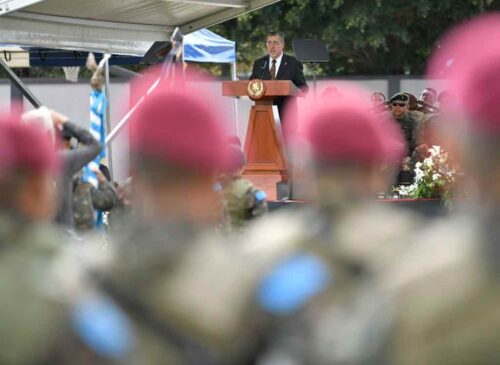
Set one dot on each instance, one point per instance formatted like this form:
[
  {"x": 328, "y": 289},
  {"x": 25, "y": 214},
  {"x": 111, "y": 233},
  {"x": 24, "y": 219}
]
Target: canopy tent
[
  {"x": 114, "y": 26},
  {"x": 206, "y": 46}
]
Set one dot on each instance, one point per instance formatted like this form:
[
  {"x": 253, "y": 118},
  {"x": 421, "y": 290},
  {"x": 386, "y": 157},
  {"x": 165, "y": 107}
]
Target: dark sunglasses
[{"x": 399, "y": 104}]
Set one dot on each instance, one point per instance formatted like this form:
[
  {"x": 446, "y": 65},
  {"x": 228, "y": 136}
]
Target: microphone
[{"x": 263, "y": 69}]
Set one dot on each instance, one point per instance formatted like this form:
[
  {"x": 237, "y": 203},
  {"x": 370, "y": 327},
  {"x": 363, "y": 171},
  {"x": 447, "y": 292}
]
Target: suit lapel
[
  {"x": 282, "y": 69},
  {"x": 266, "y": 74}
]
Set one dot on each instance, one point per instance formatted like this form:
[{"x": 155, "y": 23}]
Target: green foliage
[{"x": 364, "y": 36}]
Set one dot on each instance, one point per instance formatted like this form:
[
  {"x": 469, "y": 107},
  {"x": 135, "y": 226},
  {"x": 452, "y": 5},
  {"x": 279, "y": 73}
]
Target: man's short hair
[{"x": 275, "y": 33}]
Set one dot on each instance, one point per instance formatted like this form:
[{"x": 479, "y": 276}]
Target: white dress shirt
[{"x": 278, "y": 63}]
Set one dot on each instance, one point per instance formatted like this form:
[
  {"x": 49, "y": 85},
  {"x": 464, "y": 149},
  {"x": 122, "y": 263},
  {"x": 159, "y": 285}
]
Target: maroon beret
[
  {"x": 346, "y": 132},
  {"x": 178, "y": 127},
  {"x": 468, "y": 57},
  {"x": 24, "y": 147}
]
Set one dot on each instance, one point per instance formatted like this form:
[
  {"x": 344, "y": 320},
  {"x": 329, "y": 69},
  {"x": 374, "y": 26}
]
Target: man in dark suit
[{"x": 280, "y": 66}]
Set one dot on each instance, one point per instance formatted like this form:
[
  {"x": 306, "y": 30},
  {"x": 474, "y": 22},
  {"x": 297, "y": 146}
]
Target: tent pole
[
  {"x": 16, "y": 81},
  {"x": 235, "y": 100},
  {"x": 108, "y": 114},
  {"x": 165, "y": 73},
  {"x": 111, "y": 136}
]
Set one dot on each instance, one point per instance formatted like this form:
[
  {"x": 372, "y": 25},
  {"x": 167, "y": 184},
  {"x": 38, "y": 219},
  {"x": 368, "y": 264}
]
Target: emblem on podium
[{"x": 256, "y": 89}]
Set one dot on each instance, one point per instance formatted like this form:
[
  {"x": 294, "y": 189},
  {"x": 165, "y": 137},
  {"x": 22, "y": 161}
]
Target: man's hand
[
  {"x": 58, "y": 119},
  {"x": 91, "y": 64},
  {"x": 100, "y": 176}
]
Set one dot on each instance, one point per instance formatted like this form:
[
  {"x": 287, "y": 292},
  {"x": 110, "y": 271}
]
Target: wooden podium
[{"x": 264, "y": 148}]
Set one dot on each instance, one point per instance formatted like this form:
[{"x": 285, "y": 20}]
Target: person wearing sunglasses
[
  {"x": 411, "y": 126},
  {"x": 427, "y": 101}
]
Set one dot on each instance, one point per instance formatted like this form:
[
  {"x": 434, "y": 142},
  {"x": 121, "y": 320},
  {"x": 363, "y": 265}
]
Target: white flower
[
  {"x": 435, "y": 176},
  {"x": 418, "y": 165},
  {"x": 419, "y": 174},
  {"x": 428, "y": 162},
  {"x": 406, "y": 190}
]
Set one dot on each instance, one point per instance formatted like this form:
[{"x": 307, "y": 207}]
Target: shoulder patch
[
  {"x": 103, "y": 327},
  {"x": 293, "y": 283},
  {"x": 260, "y": 195}
]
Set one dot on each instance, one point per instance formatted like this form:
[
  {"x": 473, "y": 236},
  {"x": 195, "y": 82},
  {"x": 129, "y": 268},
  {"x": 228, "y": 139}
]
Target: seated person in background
[
  {"x": 412, "y": 104},
  {"x": 445, "y": 99},
  {"x": 243, "y": 200},
  {"x": 427, "y": 101},
  {"x": 411, "y": 125},
  {"x": 331, "y": 93},
  {"x": 378, "y": 103}
]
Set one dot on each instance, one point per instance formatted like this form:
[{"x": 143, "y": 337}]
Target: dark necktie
[{"x": 273, "y": 70}]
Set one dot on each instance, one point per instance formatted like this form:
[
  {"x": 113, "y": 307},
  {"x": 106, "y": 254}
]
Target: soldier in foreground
[
  {"x": 40, "y": 322},
  {"x": 443, "y": 292},
  {"x": 328, "y": 252},
  {"x": 447, "y": 288},
  {"x": 167, "y": 265}
]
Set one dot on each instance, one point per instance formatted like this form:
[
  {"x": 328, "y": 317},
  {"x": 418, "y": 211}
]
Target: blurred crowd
[{"x": 188, "y": 267}]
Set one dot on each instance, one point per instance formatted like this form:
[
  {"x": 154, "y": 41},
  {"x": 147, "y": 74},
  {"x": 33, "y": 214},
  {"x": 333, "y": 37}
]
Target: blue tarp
[{"x": 206, "y": 46}]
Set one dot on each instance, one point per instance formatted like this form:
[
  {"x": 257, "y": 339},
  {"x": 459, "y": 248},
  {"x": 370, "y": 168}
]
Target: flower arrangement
[{"x": 434, "y": 177}]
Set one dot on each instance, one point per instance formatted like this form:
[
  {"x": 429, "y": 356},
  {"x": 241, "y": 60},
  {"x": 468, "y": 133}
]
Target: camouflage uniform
[
  {"x": 445, "y": 289},
  {"x": 440, "y": 301},
  {"x": 244, "y": 201},
  {"x": 43, "y": 320},
  {"x": 352, "y": 258},
  {"x": 184, "y": 286},
  {"x": 323, "y": 256},
  {"x": 44, "y": 323},
  {"x": 87, "y": 199},
  {"x": 446, "y": 296},
  {"x": 412, "y": 125},
  {"x": 188, "y": 292}
]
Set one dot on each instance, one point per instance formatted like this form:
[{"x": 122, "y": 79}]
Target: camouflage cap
[
  {"x": 24, "y": 147},
  {"x": 178, "y": 127}
]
